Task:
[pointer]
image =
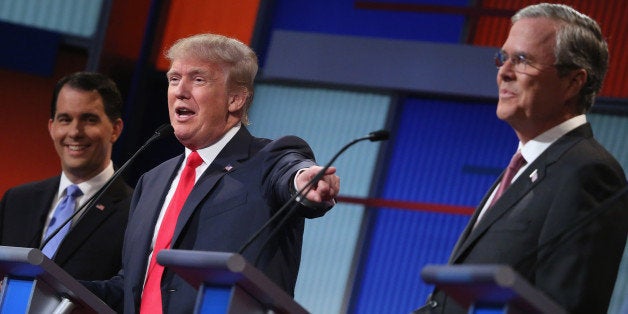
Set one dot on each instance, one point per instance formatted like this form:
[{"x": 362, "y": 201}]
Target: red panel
[
  {"x": 126, "y": 28},
  {"x": 27, "y": 150},
  {"x": 187, "y": 17}
]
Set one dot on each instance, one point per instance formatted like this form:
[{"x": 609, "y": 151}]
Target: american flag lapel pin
[
  {"x": 534, "y": 175},
  {"x": 100, "y": 207}
]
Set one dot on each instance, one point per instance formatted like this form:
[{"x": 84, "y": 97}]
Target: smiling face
[
  {"x": 200, "y": 105},
  {"x": 537, "y": 99},
  {"x": 82, "y": 133}
]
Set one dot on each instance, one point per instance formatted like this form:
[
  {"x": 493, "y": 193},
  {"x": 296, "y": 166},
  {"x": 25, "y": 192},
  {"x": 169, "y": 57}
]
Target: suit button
[{"x": 432, "y": 304}]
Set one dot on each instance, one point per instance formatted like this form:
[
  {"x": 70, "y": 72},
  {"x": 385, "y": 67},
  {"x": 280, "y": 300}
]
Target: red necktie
[
  {"x": 151, "y": 296},
  {"x": 516, "y": 163}
]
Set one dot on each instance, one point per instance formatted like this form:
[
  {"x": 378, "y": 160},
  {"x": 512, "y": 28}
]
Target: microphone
[
  {"x": 162, "y": 131},
  {"x": 375, "y": 136},
  {"x": 380, "y": 135}
]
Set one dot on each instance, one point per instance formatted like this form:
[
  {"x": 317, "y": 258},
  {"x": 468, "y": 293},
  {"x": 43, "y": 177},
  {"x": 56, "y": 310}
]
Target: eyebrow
[
  {"x": 518, "y": 53},
  {"x": 192, "y": 72},
  {"x": 84, "y": 115}
]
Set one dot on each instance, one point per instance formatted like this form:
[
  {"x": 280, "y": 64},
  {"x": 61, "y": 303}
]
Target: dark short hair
[{"x": 92, "y": 81}]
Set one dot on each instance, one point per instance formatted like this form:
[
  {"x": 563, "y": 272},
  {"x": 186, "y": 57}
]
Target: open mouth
[{"x": 184, "y": 112}]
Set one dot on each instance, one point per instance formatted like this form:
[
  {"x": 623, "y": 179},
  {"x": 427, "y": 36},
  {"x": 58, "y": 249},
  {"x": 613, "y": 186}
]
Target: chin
[
  {"x": 186, "y": 141},
  {"x": 505, "y": 109}
]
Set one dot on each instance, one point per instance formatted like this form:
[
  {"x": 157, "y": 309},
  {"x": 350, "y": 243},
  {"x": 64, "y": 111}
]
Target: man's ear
[
  {"x": 50, "y": 128},
  {"x": 118, "y": 125},
  {"x": 577, "y": 79},
  {"x": 237, "y": 99}
]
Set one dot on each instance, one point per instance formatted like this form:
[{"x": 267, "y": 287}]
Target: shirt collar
[
  {"x": 89, "y": 187},
  {"x": 209, "y": 153},
  {"x": 535, "y": 147}
]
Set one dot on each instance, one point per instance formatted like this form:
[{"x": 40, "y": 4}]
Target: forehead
[
  {"x": 75, "y": 100},
  {"x": 190, "y": 66}
]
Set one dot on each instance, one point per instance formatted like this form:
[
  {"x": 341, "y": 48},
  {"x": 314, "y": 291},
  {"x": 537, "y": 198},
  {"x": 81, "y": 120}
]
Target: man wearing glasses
[{"x": 559, "y": 216}]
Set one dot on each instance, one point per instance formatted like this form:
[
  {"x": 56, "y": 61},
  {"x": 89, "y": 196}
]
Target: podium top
[
  {"x": 32, "y": 263},
  {"x": 489, "y": 284},
  {"x": 227, "y": 269}
]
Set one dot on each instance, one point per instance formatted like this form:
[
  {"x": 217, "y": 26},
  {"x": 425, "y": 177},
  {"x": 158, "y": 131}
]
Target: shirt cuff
[{"x": 303, "y": 200}]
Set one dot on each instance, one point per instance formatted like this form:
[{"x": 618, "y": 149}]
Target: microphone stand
[{"x": 290, "y": 205}]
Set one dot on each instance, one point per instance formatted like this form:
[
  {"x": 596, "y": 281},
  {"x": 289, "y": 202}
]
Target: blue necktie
[{"x": 64, "y": 210}]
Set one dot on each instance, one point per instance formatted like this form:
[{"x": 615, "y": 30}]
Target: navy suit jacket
[
  {"x": 247, "y": 182},
  {"x": 92, "y": 250},
  {"x": 528, "y": 227}
]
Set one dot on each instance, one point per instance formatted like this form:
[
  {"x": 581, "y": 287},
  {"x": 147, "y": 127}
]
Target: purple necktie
[{"x": 516, "y": 163}]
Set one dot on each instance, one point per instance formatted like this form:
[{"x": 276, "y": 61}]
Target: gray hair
[
  {"x": 579, "y": 45},
  {"x": 240, "y": 59}
]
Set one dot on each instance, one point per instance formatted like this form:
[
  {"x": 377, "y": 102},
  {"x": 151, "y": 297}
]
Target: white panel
[
  {"x": 327, "y": 120},
  {"x": 74, "y": 17},
  {"x": 611, "y": 131},
  {"x": 448, "y": 69}
]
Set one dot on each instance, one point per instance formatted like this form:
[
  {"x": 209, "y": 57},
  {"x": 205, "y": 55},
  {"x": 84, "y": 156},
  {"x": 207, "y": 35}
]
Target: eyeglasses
[{"x": 519, "y": 61}]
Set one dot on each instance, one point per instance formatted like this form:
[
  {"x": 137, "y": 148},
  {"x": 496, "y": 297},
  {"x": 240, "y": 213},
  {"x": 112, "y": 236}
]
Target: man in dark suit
[
  {"x": 239, "y": 182},
  {"x": 550, "y": 69},
  {"x": 85, "y": 122}
]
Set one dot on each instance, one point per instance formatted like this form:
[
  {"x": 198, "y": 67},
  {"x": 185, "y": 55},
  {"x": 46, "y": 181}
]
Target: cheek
[
  {"x": 529, "y": 90},
  {"x": 540, "y": 92},
  {"x": 56, "y": 134}
]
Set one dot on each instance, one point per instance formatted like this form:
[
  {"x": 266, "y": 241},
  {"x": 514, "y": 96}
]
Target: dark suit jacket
[
  {"x": 91, "y": 250},
  {"x": 247, "y": 182},
  {"x": 570, "y": 180}
]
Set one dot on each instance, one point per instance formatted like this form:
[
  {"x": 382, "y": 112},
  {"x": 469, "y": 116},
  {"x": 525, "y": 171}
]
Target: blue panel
[
  {"x": 444, "y": 153},
  {"x": 17, "y": 295},
  {"x": 342, "y": 18},
  {"x": 327, "y": 119},
  {"x": 447, "y": 152},
  {"x": 401, "y": 243},
  {"x": 31, "y": 50},
  {"x": 488, "y": 309},
  {"x": 215, "y": 300}
]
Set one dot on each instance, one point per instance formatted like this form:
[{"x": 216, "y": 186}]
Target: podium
[
  {"x": 489, "y": 289},
  {"x": 227, "y": 283},
  {"x": 32, "y": 283}
]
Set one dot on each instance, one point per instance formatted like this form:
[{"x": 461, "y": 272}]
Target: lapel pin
[
  {"x": 228, "y": 168},
  {"x": 100, "y": 207},
  {"x": 534, "y": 175}
]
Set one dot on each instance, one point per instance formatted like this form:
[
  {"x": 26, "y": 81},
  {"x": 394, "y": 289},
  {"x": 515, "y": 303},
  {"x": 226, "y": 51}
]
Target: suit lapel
[
  {"x": 228, "y": 160},
  {"x": 533, "y": 175},
  {"x": 148, "y": 212},
  {"x": 141, "y": 227},
  {"x": 94, "y": 216},
  {"x": 467, "y": 230},
  {"x": 36, "y": 219}
]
